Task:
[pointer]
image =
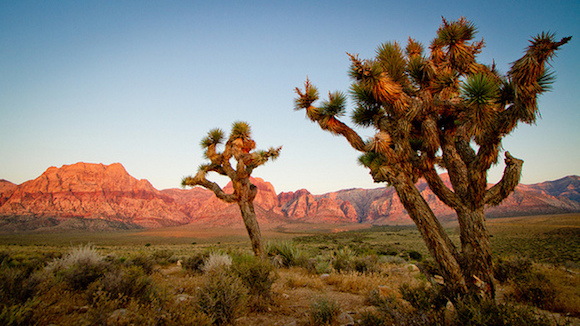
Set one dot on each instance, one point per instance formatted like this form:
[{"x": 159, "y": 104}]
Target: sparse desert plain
[{"x": 315, "y": 274}]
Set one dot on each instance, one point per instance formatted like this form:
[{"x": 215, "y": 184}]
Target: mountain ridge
[{"x": 98, "y": 196}]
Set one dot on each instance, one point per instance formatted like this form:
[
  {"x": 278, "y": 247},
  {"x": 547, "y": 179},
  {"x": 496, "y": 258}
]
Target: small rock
[
  {"x": 412, "y": 268},
  {"x": 439, "y": 279},
  {"x": 183, "y": 297},
  {"x": 345, "y": 319},
  {"x": 324, "y": 276}
]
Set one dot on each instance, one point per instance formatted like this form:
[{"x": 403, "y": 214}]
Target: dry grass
[{"x": 294, "y": 290}]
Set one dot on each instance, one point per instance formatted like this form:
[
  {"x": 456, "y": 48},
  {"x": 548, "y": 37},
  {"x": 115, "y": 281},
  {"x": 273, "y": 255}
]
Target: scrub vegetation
[{"x": 377, "y": 276}]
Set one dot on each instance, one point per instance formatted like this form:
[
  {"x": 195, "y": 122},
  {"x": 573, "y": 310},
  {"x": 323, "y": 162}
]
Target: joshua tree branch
[
  {"x": 511, "y": 178},
  {"x": 200, "y": 180}
]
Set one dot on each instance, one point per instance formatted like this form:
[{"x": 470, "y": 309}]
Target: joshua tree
[
  {"x": 241, "y": 147},
  {"x": 441, "y": 110}
]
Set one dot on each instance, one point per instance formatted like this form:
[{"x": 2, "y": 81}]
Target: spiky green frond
[
  {"x": 392, "y": 60},
  {"x": 214, "y": 137},
  {"x": 479, "y": 89},
  {"x": 364, "y": 116},
  {"x": 546, "y": 80},
  {"x": 335, "y": 105},
  {"x": 306, "y": 98},
  {"x": 419, "y": 71},
  {"x": 414, "y": 48},
  {"x": 454, "y": 32},
  {"x": 241, "y": 129},
  {"x": 371, "y": 160},
  {"x": 187, "y": 181}
]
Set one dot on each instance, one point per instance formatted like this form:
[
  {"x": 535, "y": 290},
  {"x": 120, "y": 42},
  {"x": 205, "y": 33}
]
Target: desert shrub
[
  {"x": 162, "y": 257},
  {"x": 222, "y": 296},
  {"x": 372, "y": 318},
  {"x": 258, "y": 276},
  {"x": 322, "y": 265},
  {"x": 130, "y": 281},
  {"x": 216, "y": 261},
  {"x": 344, "y": 260},
  {"x": 415, "y": 255},
  {"x": 423, "y": 297},
  {"x": 194, "y": 264},
  {"x": 535, "y": 288},
  {"x": 20, "y": 314},
  {"x": 147, "y": 263},
  {"x": 509, "y": 269},
  {"x": 285, "y": 253},
  {"x": 488, "y": 312},
  {"x": 366, "y": 264},
  {"x": 429, "y": 267},
  {"x": 324, "y": 311},
  {"x": 394, "y": 312},
  {"x": 78, "y": 269},
  {"x": 17, "y": 285}
]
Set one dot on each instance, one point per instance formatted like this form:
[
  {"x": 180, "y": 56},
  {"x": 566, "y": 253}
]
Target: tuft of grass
[
  {"x": 194, "y": 264},
  {"x": 324, "y": 311},
  {"x": 81, "y": 267},
  {"x": 285, "y": 253},
  {"x": 222, "y": 296},
  {"x": 215, "y": 262}
]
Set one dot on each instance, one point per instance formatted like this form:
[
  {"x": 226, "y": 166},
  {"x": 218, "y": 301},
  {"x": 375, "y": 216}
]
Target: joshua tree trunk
[
  {"x": 476, "y": 251},
  {"x": 438, "y": 242},
  {"x": 251, "y": 223}
]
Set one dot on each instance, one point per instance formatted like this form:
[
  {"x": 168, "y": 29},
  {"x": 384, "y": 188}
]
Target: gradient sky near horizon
[{"x": 141, "y": 82}]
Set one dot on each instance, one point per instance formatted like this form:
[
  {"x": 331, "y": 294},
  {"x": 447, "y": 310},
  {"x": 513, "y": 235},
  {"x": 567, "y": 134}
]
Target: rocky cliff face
[
  {"x": 97, "y": 196},
  {"x": 93, "y": 191}
]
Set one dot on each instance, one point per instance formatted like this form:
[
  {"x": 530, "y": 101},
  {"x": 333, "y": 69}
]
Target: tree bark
[
  {"x": 476, "y": 259},
  {"x": 251, "y": 223},
  {"x": 439, "y": 244}
]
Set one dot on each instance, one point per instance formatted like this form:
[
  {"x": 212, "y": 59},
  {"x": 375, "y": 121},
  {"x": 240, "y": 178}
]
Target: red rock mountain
[
  {"x": 92, "y": 191},
  {"x": 98, "y": 194}
]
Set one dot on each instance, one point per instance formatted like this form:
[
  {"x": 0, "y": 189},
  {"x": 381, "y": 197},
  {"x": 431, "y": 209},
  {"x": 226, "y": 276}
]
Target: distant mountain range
[{"x": 97, "y": 196}]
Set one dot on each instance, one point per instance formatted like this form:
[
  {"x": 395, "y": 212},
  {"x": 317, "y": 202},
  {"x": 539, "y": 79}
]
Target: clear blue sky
[{"x": 141, "y": 82}]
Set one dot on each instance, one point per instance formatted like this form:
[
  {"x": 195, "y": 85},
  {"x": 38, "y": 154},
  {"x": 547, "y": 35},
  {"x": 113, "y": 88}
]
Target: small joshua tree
[
  {"x": 441, "y": 109},
  {"x": 241, "y": 147}
]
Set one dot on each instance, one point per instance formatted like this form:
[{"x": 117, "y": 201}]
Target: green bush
[
  {"x": 17, "y": 285},
  {"x": 423, "y": 298},
  {"x": 130, "y": 281},
  {"x": 258, "y": 276},
  {"x": 535, "y": 288},
  {"x": 324, "y": 312},
  {"x": 415, "y": 255},
  {"x": 368, "y": 318},
  {"x": 21, "y": 314},
  {"x": 509, "y": 269},
  {"x": 487, "y": 312},
  {"x": 147, "y": 263},
  {"x": 344, "y": 260},
  {"x": 284, "y": 253},
  {"x": 79, "y": 268},
  {"x": 194, "y": 264},
  {"x": 222, "y": 296}
]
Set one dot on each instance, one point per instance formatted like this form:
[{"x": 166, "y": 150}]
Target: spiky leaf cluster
[{"x": 419, "y": 100}]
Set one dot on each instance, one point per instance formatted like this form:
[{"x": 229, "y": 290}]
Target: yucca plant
[
  {"x": 441, "y": 109},
  {"x": 240, "y": 147}
]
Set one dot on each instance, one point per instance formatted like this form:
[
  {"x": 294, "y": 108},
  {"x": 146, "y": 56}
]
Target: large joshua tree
[
  {"x": 441, "y": 109},
  {"x": 241, "y": 147}
]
